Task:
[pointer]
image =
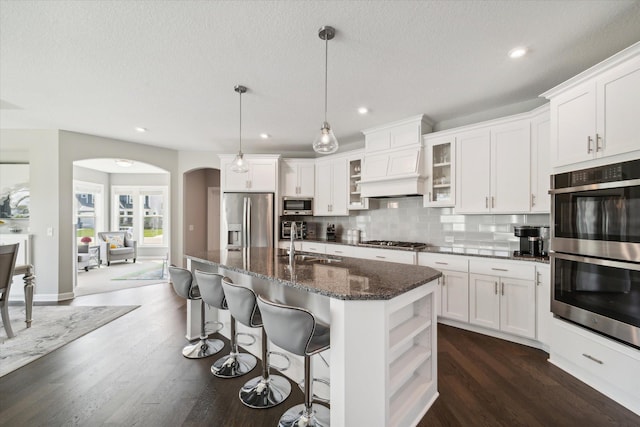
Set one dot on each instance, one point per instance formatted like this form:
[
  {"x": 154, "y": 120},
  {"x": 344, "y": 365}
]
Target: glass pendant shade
[
  {"x": 239, "y": 165},
  {"x": 325, "y": 142}
]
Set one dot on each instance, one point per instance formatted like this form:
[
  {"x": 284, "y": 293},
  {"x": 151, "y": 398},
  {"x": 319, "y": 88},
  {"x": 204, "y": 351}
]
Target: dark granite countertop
[
  {"x": 452, "y": 250},
  {"x": 335, "y": 277}
]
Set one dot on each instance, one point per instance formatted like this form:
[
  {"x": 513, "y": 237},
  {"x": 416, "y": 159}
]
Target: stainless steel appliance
[
  {"x": 409, "y": 246},
  {"x": 247, "y": 220},
  {"x": 285, "y": 229},
  {"x": 297, "y": 206},
  {"x": 595, "y": 249}
]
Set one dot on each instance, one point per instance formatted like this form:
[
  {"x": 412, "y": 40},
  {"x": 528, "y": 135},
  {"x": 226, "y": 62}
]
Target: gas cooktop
[{"x": 409, "y": 246}]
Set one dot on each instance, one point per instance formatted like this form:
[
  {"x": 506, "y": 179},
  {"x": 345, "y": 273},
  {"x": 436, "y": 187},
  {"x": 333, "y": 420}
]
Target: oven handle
[
  {"x": 601, "y": 186},
  {"x": 596, "y": 261}
]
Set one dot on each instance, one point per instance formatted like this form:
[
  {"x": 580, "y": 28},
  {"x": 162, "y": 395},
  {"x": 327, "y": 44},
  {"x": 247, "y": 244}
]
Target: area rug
[
  {"x": 156, "y": 272},
  {"x": 52, "y": 327}
]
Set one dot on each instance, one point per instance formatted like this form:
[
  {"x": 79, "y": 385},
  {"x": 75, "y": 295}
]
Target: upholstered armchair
[{"x": 116, "y": 246}]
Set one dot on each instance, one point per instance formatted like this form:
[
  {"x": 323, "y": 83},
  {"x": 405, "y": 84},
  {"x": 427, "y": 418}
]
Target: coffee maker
[{"x": 534, "y": 240}]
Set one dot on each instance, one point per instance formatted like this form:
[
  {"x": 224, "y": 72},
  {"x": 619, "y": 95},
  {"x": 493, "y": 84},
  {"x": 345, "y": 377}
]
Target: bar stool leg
[
  {"x": 204, "y": 347},
  {"x": 235, "y": 363},
  {"x": 268, "y": 390},
  {"x": 306, "y": 414}
]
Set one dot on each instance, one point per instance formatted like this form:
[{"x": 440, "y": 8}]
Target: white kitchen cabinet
[
  {"x": 261, "y": 177},
  {"x": 339, "y": 250},
  {"x": 400, "y": 134},
  {"x": 543, "y": 305},
  {"x": 314, "y": 247},
  {"x": 493, "y": 169},
  {"x": 297, "y": 177},
  {"x": 356, "y": 201},
  {"x": 390, "y": 255},
  {"x": 540, "y": 162},
  {"x": 331, "y": 187},
  {"x": 594, "y": 114},
  {"x": 452, "y": 300},
  {"x": 502, "y": 296},
  {"x": 441, "y": 171}
]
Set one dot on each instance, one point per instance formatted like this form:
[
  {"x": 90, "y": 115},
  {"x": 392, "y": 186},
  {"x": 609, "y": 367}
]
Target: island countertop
[{"x": 335, "y": 277}]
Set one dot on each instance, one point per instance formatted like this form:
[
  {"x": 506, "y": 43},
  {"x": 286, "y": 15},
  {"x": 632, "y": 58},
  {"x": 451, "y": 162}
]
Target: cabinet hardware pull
[
  {"x": 338, "y": 252},
  {"x": 590, "y": 357},
  {"x": 442, "y": 263},
  {"x": 443, "y": 282},
  {"x": 429, "y": 195},
  {"x": 495, "y": 287},
  {"x": 502, "y": 288},
  {"x": 533, "y": 200},
  {"x": 598, "y": 140},
  {"x": 381, "y": 257},
  {"x": 589, "y": 140},
  {"x": 493, "y": 202},
  {"x": 499, "y": 269},
  {"x": 486, "y": 202}
]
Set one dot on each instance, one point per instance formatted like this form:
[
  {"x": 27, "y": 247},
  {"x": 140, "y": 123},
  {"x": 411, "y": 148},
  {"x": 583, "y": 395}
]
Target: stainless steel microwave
[{"x": 297, "y": 206}]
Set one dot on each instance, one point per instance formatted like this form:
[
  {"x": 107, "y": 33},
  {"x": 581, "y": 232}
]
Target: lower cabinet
[
  {"x": 454, "y": 295},
  {"x": 543, "y": 305},
  {"x": 503, "y": 303}
]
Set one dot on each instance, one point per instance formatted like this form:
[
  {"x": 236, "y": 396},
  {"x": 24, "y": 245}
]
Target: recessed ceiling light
[
  {"x": 141, "y": 129},
  {"x": 363, "y": 110},
  {"x": 124, "y": 163},
  {"x": 265, "y": 136},
  {"x": 517, "y": 52}
]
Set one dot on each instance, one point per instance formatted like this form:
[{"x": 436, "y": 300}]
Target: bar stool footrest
[
  {"x": 315, "y": 397},
  {"x": 284, "y": 356}
]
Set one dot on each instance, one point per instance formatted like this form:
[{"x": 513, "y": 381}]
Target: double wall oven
[{"x": 595, "y": 249}]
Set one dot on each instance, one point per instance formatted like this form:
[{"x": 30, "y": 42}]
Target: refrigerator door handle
[
  {"x": 248, "y": 223},
  {"x": 244, "y": 222}
]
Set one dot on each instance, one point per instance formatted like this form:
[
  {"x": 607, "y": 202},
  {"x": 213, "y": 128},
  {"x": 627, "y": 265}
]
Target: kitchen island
[{"x": 383, "y": 356}]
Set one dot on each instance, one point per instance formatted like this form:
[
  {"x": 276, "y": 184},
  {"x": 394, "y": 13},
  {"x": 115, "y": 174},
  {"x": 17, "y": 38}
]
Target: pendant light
[
  {"x": 239, "y": 164},
  {"x": 326, "y": 142}
]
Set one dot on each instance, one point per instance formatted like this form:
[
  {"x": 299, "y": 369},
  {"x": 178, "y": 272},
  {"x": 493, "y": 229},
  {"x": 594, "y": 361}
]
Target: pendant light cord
[
  {"x": 326, "y": 66},
  {"x": 240, "y": 121}
]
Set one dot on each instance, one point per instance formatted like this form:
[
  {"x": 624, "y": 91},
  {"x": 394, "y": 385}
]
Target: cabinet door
[
  {"x": 441, "y": 171},
  {"x": 510, "y": 168},
  {"x": 235, "y": 181},
  {"x": 573, "y": 126},
  {"x": 289, "y": 178},
  {"x": 306, "y": 179},
  {"x": 455, "y": 295},
  {"x": 618, "y": 109},
  {"x": 543, "y": 306},
  {"x": 262, "y": 175},
  {"x": 517, "y": 307},
  {"x": 540, "y": 164},
  {"x": 484, "y": 301},
  {"x": 404, "y": 135},
  {"x": 340, "y": 187},
  {"x": 322, "y": 199},
  {"x": 473, "y": 169}
]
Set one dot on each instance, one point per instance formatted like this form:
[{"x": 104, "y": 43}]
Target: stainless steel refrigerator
[{"x": 247, "y": 220}]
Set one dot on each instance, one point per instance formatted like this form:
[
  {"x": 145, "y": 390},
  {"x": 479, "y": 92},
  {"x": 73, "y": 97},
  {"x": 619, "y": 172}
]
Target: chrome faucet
[{"x": 292, "y": 247}]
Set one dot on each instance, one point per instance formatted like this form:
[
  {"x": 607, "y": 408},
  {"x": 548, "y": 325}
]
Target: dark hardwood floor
[{"x": 131, "y": 373}]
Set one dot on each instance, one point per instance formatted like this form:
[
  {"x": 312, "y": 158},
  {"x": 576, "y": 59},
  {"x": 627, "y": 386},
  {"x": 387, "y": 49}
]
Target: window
[
  {"x": 89, "y": 211},
  {"x": 141, "y": 212}
]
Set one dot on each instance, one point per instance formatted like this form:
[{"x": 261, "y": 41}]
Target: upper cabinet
[
  {"x": 440, "y": 170},
  {"x": 540, "y": 161},
  {"x": 394, "y": 158},
  {"x": 356, "y": 201},
  {"x": 595, "y": 114},
  {"x": 493, "y": 169},
  {"x": 297, "y": 177},
  {"x": 262, "y": 175},
  {"x": 331, "y": 187}
]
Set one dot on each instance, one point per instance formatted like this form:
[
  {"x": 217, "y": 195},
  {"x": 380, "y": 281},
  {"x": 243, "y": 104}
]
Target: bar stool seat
[
  {"x": 186, "y": 287},
  {"x": 235, "y": 363},
  {"x": 298, "y": 331},
  {"x": 266, "y": 390}
]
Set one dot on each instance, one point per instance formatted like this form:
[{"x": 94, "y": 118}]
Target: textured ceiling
[{"x": 105, "y": 67}]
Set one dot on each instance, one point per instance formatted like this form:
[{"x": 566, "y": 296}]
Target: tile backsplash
[{"x": 405, "y": 219}]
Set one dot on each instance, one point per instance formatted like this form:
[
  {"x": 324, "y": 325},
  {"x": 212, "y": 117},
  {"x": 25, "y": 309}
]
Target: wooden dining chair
[{"x": 8, "y": 255}]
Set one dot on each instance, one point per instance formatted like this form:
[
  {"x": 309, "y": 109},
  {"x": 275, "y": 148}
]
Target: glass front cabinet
[
  {"x": 355, "y": 175},
  {"x": 441, "y": 171}
]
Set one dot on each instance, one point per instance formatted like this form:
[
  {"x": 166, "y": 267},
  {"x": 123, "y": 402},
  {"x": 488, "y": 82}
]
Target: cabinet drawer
[
  {"x": 444, "y": 262},
  {"x": 597, "y": 356},
  {"x": 339, "y": 250},
  {"x": 314, "y": 247},
  {"x": 503, "y": 269},
  {"x": 390, "y": 255}
]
